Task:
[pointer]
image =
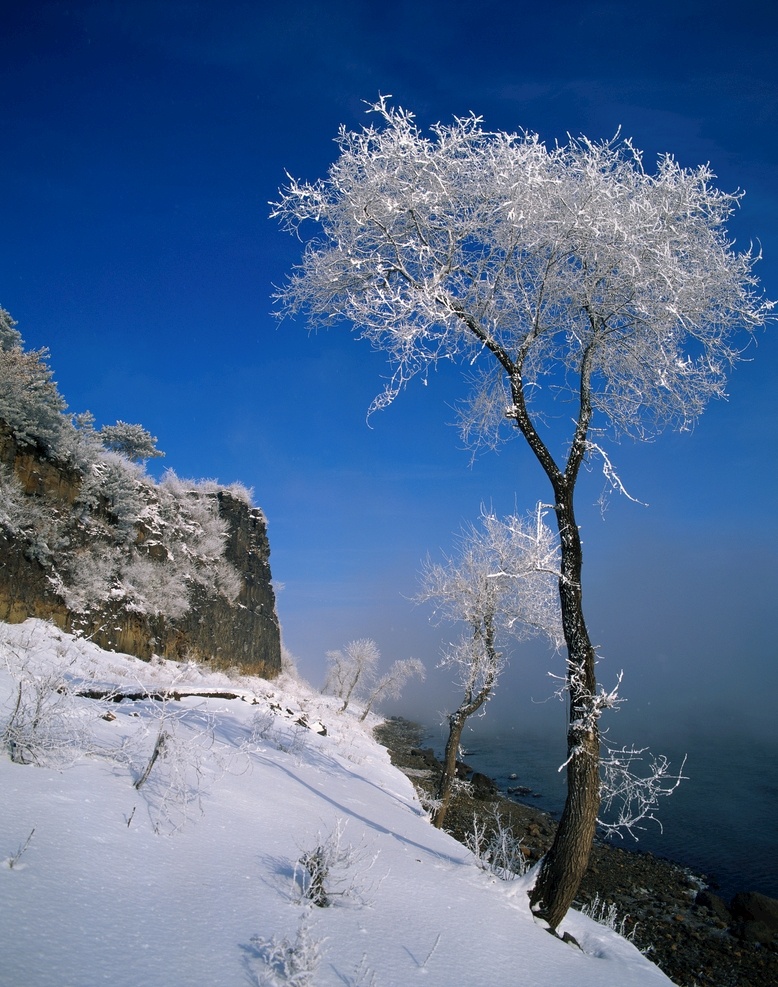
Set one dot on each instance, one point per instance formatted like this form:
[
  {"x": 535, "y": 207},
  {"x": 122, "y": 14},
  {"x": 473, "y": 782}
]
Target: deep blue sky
[{"x": 141, "y": 143}]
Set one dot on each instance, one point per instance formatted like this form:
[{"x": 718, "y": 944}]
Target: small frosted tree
[
  {"x": 581, "y": 287},
  {"x": 501, "y": 586},
  {"x": 350, "y": 669},
  {"x": 391, "y": 683},
  {"x": 133, "y": 441},
  {"x": 353, "y": 672}
]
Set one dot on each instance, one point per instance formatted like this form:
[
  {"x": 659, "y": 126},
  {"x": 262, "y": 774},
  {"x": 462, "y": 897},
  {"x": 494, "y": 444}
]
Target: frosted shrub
[
  {"x": 289, "y": 962},
  {"x": 114, "y": 484},
  {"x": 328, "y": 870},
  {"x": 606, "y": 914},
  {"x": 496, "y": 848},
  {"x": 45, "y": 721},
  {"x": 89, "y": 573},
  {"x": 167, "y": 761},
  {"x": 29, "y": 518},
  {"x": 150, "y": 587},
  {"x": 195, "y": 535}
]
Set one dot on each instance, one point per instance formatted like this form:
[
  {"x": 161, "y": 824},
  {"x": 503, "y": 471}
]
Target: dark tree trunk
[
  {"x": 456, "y": 723},
  {"x": 566, "y": 861}
]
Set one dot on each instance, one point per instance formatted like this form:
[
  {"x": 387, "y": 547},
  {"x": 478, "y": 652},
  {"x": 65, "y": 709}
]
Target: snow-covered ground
[{"x": 193, "y": 877}]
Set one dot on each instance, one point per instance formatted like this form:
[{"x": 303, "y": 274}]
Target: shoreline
[{"x": 684, "y": 928}]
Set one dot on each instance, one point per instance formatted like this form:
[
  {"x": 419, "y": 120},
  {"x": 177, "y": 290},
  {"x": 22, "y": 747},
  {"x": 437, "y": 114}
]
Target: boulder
[
  {"x": 755, "y": 917},
  {"x": 715, "y": 905},
  {"x": 483, "y": 786}
]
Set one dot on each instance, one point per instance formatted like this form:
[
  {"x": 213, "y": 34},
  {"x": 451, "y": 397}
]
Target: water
[{"x": 721, "y": 822}]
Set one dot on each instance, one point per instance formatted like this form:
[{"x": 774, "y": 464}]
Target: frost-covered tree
[
  {"x": 392, "y": 683},
  {"x": 499, "y": 585},
  {"x": 30, "y": 402},
  {"x": 581, "y": 287},
  {"x": 351, "y": 668},
  {"x": 10, "y": 337},
  {"x": 353, "y": 671},
  {"x": 133, "y": 441}
]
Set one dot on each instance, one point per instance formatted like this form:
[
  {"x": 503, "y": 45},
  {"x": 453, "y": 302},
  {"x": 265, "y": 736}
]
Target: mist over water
[{"x": 720, "y": 822}]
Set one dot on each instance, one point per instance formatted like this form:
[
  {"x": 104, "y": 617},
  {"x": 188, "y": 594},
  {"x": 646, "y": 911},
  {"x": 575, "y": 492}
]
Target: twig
[{"x": 161, "y": 738}]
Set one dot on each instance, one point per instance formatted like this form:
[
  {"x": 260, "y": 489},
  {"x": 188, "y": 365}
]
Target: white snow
[{"x": 193, "y": 879}]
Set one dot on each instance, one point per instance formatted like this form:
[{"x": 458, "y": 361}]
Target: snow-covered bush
[
  {"x": 29, "y": 519},
  {"x": 114, "y": 485},
  {"x": 289, "y": 962},
  {"x": 332, "y": 869},
  {"x": 496, "y": 848},
  {"x": 605, "y": 913},
  {"x": 45, "y": 722},
  {"x": 166, "y": 759}
]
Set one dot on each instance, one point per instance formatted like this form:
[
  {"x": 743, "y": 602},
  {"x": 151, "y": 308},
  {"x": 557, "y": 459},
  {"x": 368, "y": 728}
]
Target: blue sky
[{"x": 142, "y": 142}]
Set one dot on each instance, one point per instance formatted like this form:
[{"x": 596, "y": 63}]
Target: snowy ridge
[{"x": 193, "y": 875}]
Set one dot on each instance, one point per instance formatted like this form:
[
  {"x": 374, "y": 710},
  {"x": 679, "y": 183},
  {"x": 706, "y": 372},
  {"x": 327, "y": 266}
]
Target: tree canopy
[{"x": 571, "y": 264}]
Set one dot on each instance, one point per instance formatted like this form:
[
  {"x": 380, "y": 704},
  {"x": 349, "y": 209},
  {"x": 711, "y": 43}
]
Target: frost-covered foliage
[
  {"x": 133, "y": 441},
  {"x": 45, "y": 723},
  {"x": 170, "y": 539},
  {"x": 605, "y": 913},
  {"x": 289, "y": 962},
  {"x": 30, "y": 402},
  {"x": 333, "y": 870},
  {"x": 350, "y": 668},
  {"x": 353, "y": 672},
  {"x": 391, "y": 684},
  {"x": 574, "y": 257},
  {"x": 633, "y": 782},
  {"x": 126, "y": 540},
  {"x": 496, "y": 847}
]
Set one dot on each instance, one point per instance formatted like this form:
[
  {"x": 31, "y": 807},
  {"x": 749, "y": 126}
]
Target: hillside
[
  {"x": 92, "y": 542},
  {"x": 188, "y": 873}
]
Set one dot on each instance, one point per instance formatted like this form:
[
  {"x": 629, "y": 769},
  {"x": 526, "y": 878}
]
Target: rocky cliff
[{"x": 242, "y": 631}]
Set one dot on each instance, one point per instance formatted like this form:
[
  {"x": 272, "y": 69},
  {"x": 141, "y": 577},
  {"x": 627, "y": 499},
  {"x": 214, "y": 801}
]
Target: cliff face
[{"x": 242, "y": 632}]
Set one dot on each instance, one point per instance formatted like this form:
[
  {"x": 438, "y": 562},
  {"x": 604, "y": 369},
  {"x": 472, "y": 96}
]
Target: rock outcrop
[{"x": 243, "y": 632}]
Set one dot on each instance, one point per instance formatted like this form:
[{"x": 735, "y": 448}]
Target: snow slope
[{"x": 192, "y": 878}]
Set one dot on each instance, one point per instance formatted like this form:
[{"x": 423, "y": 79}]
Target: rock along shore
[{"x": 690, "y": 933}]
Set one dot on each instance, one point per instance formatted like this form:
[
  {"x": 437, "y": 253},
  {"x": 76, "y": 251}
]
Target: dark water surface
[{"x": 722, "y": 821}]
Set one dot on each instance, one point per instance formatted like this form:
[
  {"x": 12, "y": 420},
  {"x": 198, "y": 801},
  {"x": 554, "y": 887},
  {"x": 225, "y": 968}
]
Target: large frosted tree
[{"x": 572, "y": 284}]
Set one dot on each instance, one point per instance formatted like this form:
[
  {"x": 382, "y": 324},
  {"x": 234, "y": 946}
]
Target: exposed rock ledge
[{"x": 243, "y": 633}]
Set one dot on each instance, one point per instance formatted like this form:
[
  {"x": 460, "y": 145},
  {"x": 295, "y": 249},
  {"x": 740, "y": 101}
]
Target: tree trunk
[
  {"x": 565, "y": 863},
  {"x": 456, "y": 723}
]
